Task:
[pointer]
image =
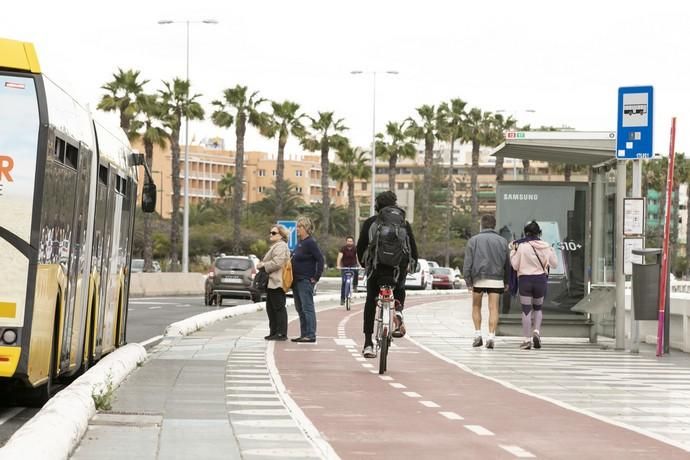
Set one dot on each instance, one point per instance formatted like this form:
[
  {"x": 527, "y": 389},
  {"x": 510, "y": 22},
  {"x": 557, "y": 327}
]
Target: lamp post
[
  {"x": 185, "y": 220},
  {"x": 373, "y": 131}
]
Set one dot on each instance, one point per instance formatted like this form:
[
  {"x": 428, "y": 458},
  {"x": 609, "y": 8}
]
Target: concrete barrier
[
  {"x": 679, "y": 322},
  {"x": 166, "y": 284}
]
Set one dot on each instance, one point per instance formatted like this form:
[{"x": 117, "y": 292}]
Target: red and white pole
[{"x": 664, "y": 253}]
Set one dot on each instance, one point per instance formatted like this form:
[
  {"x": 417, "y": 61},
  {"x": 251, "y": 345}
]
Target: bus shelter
[{"x": 577, "y": 218}]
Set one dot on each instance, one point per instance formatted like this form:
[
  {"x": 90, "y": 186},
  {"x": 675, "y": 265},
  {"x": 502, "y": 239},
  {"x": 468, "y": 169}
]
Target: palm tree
[
  {"x": 478, "y": 131},
  {"x": 151, "y": 111},
  {"x": 225, "y": 186},
  {"x": 325, "y": 135},
  {"x": 284, "y": 122},
  {"x": 289, "y": 197},
  {"x": 501, "y": 125},
  {"x": 428, "y": 129},
  {"x": 122, "y": 96},
  {"x": 398, "y": 147},
  {"x": 352, "y": 166},
  {"x": 453, "y": 118},
  {"x": 246, "y": 110},
  {"x": 176, "y": 105}
]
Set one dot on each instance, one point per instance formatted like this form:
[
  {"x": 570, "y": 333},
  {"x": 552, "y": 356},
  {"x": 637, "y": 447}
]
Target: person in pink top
[{"x": 532, "y": 258}]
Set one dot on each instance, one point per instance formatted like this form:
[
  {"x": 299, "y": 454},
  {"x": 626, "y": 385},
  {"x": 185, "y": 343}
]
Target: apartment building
[{"x": 209, "y": 163}]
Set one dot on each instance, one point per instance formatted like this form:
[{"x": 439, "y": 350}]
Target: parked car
[
  {"x": 137, "y": 266},
  {"x": 421, "y": 277},
  {"x": 433, "y": 264},
  {"x": 231, "y": 276},
  {"x": 444, "y": 278}
]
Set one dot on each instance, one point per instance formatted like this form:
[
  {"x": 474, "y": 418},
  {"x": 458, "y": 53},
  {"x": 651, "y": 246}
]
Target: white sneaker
[{"x": 368, "y": 352}]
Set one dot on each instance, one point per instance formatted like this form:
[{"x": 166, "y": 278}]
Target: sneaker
[
  {"x": 400, "y": 329},
  {"x": 536, "y": 340},
  {"x": 478, "y": 342},
  {"x": 490, "y": 344},
  {"x": 296, "y": 339},
  {"x": 280, "y": 337},
  {"x": 368, "y": 352},
  {"x": 305, "y": 340},
  {"x": 269, "y": 337},
  {"x": 526, "y": 345}
]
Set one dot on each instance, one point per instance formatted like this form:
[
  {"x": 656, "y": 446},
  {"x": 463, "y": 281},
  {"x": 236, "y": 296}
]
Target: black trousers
[
  {"x": 382, "y": 275},
  {"x": 276, "y": 311}
]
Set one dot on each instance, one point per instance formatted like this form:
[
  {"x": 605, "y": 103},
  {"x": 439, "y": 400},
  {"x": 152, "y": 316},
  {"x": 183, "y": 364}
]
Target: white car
[{"x": 421, "y": 278}]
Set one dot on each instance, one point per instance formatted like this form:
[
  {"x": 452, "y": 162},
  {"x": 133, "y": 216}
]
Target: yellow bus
[{"x": 67, "y": 196}]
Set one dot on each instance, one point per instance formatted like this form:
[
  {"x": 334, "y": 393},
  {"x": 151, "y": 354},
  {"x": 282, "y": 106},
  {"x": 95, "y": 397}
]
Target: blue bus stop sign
[
  {"x": 291, "y": 227},
  {"x": 635, "y": 123}
]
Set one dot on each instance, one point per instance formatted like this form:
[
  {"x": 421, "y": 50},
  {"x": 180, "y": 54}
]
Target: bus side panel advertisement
[{"x": 19, "y": 128}]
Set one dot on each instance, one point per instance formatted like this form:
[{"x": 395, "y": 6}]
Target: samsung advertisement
[{"x": 561, "y": 211}]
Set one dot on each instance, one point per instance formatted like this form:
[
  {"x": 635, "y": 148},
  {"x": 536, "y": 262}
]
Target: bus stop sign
[
  {"x": 291, "y": 227},
  {"x": 635, "y": 123}
]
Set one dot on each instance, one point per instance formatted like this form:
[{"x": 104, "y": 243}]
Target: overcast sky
[{"x": 564, "y": 60}]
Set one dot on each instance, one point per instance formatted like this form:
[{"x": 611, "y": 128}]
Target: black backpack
[{"x": 389, "y": 241}]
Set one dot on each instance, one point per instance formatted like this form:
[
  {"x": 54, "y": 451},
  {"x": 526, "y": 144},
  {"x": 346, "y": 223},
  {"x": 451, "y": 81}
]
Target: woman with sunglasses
[{"x": 273, "y": 262}]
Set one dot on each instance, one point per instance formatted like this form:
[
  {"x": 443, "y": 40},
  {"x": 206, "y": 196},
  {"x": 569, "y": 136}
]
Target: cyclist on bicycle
[
  {"x": 347, "y": 259},
  {"x": 380, "y": 273}
]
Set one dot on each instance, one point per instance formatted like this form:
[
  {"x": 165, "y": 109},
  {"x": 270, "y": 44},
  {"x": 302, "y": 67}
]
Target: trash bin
[{"x": 645, "y": 284}]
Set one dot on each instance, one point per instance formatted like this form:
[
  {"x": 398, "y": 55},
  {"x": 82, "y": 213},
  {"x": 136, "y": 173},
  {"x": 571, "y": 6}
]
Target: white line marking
[
  {"x": 519, "y": 452},
  {"x": 411, "y": 394},
  {"x": 452, "y": 416},
  {"x": 429, "y": 404},
  {"x": 151, "y": 340},
  {"x": 360, "y": 359},
  {"x": 367, "y": 365},
  {"x": 386, "y": 377},
  {"x": 10, "y": 413},
  {"x": 155, "y": 308},
  {"x": 397, "y": 385},
  {"x": 478, "y": 429}
]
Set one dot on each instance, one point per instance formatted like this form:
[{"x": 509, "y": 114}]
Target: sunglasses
[{"x": 273, "y": 233}]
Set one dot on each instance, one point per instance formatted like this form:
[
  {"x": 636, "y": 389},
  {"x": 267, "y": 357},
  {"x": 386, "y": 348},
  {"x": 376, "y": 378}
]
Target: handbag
[
  {"x": 260, "y": 282},
  {"x": 287, "y": 275}
]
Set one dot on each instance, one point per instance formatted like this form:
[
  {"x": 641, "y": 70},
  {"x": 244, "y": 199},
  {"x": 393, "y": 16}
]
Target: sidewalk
[
  {"x": 637, "y": 391},
  {"x": 211, "y": 395}
]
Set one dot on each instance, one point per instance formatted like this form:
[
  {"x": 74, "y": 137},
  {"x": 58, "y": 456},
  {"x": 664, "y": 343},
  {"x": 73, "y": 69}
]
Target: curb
[{"x": 56, "y": 430}]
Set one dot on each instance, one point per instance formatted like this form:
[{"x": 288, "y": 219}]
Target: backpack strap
[{"x": 538, "y": 258}]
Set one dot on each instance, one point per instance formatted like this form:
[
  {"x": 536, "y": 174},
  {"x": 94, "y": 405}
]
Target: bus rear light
[{"x": 9, "y": 336}]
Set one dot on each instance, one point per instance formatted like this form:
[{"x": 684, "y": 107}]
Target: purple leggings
[{"x": 532, "y": 290}]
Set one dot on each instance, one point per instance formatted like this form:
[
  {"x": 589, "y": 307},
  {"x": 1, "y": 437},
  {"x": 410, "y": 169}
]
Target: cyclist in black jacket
[{"x": 383, "y": 275}]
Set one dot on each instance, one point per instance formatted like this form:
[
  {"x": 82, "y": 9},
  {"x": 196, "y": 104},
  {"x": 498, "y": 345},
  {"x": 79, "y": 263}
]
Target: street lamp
[
  {"x": 185, "y": 221},
  {"x": 373, "y": 131}
]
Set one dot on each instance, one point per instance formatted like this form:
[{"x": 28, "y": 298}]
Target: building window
[
  {"x": 262, "y": 173},
  {"x": 298, "y": 173},
  {"x": 299, "y": 189},
  {"x": 364, "y": 185},
  {"x": 262, "y": 189},
  {"x": 274, "y": 173}
]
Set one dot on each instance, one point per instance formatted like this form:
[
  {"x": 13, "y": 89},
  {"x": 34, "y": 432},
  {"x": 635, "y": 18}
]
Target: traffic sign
[
  {"x": 635, "y": 122},
  {"x": 291, "y": 227}
]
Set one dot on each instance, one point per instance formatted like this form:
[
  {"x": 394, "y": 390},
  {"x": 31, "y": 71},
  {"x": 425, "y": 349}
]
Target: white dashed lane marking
[
  {"x": 519, "y": 452},
  {"x": 412, "y": 394},
  {"x": 451, "y": 415},
  {"x": 429, "y": 404},
  {"x": 397, "y": 385},
  {"x": 479, "y": 430}
]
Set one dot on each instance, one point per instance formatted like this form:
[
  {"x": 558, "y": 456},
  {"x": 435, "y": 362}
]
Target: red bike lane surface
[{"x": 426, "y": 408}]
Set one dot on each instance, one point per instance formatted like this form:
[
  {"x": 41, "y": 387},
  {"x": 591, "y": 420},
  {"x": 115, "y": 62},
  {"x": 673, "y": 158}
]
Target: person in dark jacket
[
  {"x": 485, "y": 270},
  {"x": 347, "y": 262},
  {"x": 307, "y": 267},
  {"x": 383, "y": 275}
]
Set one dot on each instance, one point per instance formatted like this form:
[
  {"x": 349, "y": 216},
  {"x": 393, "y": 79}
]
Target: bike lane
[{"x": 424, "y": 407}]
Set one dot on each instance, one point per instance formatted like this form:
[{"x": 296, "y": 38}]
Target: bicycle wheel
[
  {"x": 383, "y": 354},
  {"x": 347, "y": 303}
]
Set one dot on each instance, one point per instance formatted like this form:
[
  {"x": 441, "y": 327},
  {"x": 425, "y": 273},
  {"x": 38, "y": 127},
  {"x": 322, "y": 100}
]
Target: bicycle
[
  {"x": 385, "y": 311},
  {"x": 350, "y": 273}
]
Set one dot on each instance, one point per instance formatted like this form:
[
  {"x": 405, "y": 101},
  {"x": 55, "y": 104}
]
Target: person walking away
[
  {"x": 347, "y": 259},
  {"x": 485, "y": 270},
  {"x": 274, "y": 260},
  {"x": 386, "y": 247},
  {"x": 307, "y": 267},
  {"x": 531, "y": 258}
]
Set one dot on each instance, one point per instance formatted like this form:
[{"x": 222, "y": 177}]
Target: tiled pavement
[
  {"x": 218, "y": 386},
  {"x": 639, "y": 391}
]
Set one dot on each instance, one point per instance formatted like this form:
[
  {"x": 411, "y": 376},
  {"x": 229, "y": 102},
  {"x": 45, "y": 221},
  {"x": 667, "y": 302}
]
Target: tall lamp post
[
  {"x": 373, "y": 131},
  {"x": 185, "y": 220}
]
